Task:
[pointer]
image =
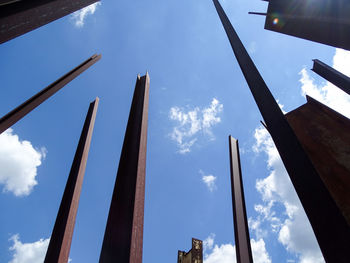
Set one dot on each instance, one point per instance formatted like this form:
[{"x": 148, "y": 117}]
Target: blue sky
[{"x": 198, "y": 96}]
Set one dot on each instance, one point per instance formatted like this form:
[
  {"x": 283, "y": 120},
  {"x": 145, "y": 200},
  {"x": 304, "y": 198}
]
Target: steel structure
[
  {"x": 18, "y": 113},
  {"x": 61, "y": 238},
  {"x": 330, "y": 228},
  {"x": 337, "y": 78},
  {"x": 243, "y": 249},
  {"x": 123, "y": 237},
  {"x": 322, "y": 21},
  {"x": 18, "y": 17}
]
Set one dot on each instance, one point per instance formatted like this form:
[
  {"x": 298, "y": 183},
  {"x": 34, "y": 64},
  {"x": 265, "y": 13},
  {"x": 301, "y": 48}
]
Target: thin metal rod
[
  {"x": 337, "y": 78},
  {"x": 329, "y": 225},
  {"x": 123, "y": 237},
  {"x": 20, "y": 17},
  {"x": 243, "y": 249},
  {"x": 18, "y": 113},
  {"x": 61, "y": 238},
  {"x": 257, "y": 13}
]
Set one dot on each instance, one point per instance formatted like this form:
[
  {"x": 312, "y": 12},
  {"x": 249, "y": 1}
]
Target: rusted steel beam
[
  {"x": 337, "y": 78},
  {"x": 123, "y": 237},
  {"x": 61, "y": 238},
  {"x": 330, "y": 228},
  {"x": 323, "y": 21},
  {"x": 20, "y": 17},
  {"x": 243, "y": 249},
  {"x": 18, "y": 113}
]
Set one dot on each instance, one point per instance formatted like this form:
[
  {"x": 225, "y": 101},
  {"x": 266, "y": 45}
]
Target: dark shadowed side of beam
[
  {"x": 335, "y": 77},
  {"x": 61, "y": 238},
  {"x": 123, "y": 237},
  {"x": 242, "y": 239}
]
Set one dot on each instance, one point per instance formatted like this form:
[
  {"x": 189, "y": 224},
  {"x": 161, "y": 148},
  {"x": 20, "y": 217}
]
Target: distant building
[{"x": 195, "y": 255}]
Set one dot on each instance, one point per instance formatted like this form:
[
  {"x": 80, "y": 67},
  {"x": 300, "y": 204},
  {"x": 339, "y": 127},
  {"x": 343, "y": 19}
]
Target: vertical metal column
[
  {"x": 18, "y": 113},
  {"x": 123, "y": 237},
  {"x": 243, "y": 249},
  {"x": 329, "y": 225},
  {"x": 61, "y": 238},
  {"x": 337, "y": 78},
  {"x": 18, "y": 17}
]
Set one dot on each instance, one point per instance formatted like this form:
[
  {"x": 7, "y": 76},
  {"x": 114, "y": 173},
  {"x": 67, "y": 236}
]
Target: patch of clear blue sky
[{"x": 183, "y": 46}]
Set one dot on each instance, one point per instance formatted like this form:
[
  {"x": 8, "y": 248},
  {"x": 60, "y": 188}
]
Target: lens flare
[{"x": 275, "y": 21}]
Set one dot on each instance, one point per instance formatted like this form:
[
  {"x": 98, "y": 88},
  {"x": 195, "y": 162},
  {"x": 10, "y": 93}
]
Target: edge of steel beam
[
  {"x": 20, "y": 17},
  {"x": 18, "y": 113},
  {"x": 123, "y": 238},
  {"x": 243, "y": 248},
  {"x": 61, "y": 238},
  {"x": 330, "y": 227},
  {"x": 334, "y": 76}
]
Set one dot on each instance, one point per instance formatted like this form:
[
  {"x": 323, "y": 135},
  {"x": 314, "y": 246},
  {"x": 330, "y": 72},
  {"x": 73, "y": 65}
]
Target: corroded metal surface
[
  {"x": 325, "y": 136},
  {"x": 323, "y": 21},
  {"x": 18, "y": 113},
  {"x": 243, "y": 249},
  {"x": 330, "y": 227},
  {"x": 20, "y": 17},
  {"x": 337, "y": 78},
  {"x": 123, "y": 239},
  {"x": 61, "y": 238}
]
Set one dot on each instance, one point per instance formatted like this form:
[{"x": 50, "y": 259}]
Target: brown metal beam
[
  {"x": 20, "y": 17},
  {"x": 243, "y": 249},
  {"x": 330, "y": 227},
  {"x": 61, "y": 238},
  {"x": 18, "y": 113},
  {"x": 123, "y": 237},
  {"x": 337, "y": 78},
  {"x": 323, "y": 21}
]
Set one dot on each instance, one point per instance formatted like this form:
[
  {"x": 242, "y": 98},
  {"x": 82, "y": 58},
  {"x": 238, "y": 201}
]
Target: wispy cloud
[
  {"x": 226, "y": 253},
  {"x": 18, "y": 164},
  {"x": 80, "y": 15},
  {"x": 209, "y": 180},
  {"x": 190, "y": 123},
  {"x": 292, "y": 226},
  {"x": 28, "y": 252}
]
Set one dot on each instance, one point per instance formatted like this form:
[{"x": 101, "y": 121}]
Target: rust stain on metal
[
  {"x": 18, "y": 113},
  {"x": 61, "y": 238},
  {"x": 325, "y": 136},
  {"x": 123, "y": 239}
]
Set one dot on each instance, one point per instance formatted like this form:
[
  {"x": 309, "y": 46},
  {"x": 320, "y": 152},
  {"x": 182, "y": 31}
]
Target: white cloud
[
  {"x": 18, "y": 164},
  {"x": 226, "y": 253},
  {"x": 28, "y": 252},
  {"x": 190, "y": 123},
  {"x": 292, "y": 227},
  {"x": 252, "y": 47},
  {"x": 208, "y": 243},
  {"x": 80, "y": 15},
  {"x": 209, "y": 180},
  {"x": 327, "y": 93}
]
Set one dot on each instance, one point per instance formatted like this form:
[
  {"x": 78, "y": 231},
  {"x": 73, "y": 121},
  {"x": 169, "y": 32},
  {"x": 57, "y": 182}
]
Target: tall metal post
[
  {"x": 243, "y": 249},
  {"x": 18, "y": 113},
  {"x": 61, "y": 238},
  {"x": 337, "y": 78},
  {"x": 18, "y": 17},
  {"x": 330, "y": 227},
  {"x": 123, "y": 237}
]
